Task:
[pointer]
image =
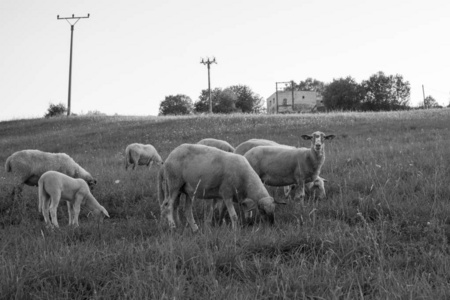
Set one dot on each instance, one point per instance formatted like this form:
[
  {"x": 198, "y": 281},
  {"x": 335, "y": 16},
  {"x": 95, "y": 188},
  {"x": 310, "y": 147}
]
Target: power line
[
  {"x": 71, "y": 44},
  {"x": 208, "y": 63}
]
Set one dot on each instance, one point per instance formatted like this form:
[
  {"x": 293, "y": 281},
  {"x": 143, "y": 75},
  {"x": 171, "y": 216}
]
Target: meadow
[{"x": 382, "y": 232}]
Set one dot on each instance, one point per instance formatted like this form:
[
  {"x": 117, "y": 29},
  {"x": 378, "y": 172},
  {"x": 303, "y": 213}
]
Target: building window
[
  {"x": 303, "y": 97},
  {"x": 284, "y": 101}
]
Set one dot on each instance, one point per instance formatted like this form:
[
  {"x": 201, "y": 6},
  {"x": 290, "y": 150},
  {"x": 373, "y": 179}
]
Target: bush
[{"x": 55, "y": 110}]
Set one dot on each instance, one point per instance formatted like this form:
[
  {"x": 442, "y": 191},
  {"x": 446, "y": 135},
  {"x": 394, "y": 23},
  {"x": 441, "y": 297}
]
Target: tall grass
[{"x": 382, "y": 232}]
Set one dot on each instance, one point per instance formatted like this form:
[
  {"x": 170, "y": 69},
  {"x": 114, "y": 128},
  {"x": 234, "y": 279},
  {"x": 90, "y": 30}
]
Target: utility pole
[
  {"x": 71, "y": 45},
  {"x": 285, "y": 83},
  {"x": 208, "y": 63},
  {"x": 423, "y": 92}
]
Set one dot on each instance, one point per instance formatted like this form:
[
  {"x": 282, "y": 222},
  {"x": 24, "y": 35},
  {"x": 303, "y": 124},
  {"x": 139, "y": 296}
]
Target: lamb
[
  {"x": 314, "y": 188},
  {"x": 209, "y": 173},
  {"x": 219, "y": 144},
  {"x": 27, "y": 166},
  {"x": 281, "y": 166},
  {"x": 140, "y": 154},
  {"x": 55, "y": 186}
]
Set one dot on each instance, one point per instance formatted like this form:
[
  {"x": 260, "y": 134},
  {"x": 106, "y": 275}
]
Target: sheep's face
[
  {"x": 91, "y": 183},
  {"x": 317, "y": 139}
]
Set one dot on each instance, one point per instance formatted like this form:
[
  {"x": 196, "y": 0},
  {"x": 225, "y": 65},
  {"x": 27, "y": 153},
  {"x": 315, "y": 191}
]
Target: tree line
[
  {"x": 380, "y": 92},
  {"x": 236, "y": 98}
]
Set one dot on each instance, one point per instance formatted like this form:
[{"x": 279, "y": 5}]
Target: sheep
[
  {"x": 27, "y": 166},
  {"x": 140, "y": 154},
  {"x": 281, "y": 166},
  {"x": 252, "y": 143},
  {"x": 217, "y": 204},
  {"x": 219, "y": 144},
  {"x": 209, "y": 173},
  {"x": 55, "y": 186},
  {"x": 314, "y": 188},
  {"x": 242, "y": 148}
]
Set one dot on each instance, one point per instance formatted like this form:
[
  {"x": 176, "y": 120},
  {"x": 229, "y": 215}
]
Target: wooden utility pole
[
  {"x": 208, "y": 63},
  {"x": 423, "y": 91},
  {"x": 71, "y": 46}
]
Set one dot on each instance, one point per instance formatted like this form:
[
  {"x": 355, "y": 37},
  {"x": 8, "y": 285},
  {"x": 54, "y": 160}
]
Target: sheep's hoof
[{"x": 172, "y": 225}]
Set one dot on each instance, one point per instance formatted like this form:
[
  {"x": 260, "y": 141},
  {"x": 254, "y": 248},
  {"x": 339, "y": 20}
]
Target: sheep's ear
[
  {"x": 329, "y": 137},
  {"x": 278, "y": 201},
  {"x": 307, "y": 137},
  {"x": 248, "y": 204}
]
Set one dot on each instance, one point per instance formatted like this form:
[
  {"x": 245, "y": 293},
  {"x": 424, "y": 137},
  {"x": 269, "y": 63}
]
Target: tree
[
  {"x": 384, "y": 92},
  {"x": 310, "y": 84},
  {"x": 430, "y": 102},
  {"x": 55, "y": 110},
  {"x": 343, "y": 94},
  {"x": 223, "y": 101},
  {"x": 176, "y": 105},
  {"x": 247, "y": 101}
]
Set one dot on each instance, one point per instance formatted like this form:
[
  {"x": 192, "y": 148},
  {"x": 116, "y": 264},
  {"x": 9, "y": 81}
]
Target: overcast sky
[{"x": 129, "y": 55}]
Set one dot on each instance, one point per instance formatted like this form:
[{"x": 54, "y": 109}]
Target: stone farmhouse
[{"x": 297, "y": 102}]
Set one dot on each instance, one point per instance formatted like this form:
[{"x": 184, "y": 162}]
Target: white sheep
[
  {"x": 208, "y": 173},
  {"x": 281, "y": 166},
  {"x": 27, "y": 166},
  {"x": 140, "y": 154},
  {"x": 55, "y": 186},
  {"x": 314, "y": 188},
  {"x": 219, "y": 144},
  {"x": 243, "y": 147}
]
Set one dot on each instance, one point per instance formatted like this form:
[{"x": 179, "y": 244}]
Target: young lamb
[
  {"x": 27, "y": 166},
  {"x": 140, "y": 154},
  {"x": 219, "y": 144},
  {"x": 209, "y": 173},
  {"x": 55, "y": 186},
  {"x": 281, "y": 166}
]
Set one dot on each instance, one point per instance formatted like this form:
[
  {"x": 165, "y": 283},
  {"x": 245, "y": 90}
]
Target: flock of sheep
[{"x": 211, "y": 169}]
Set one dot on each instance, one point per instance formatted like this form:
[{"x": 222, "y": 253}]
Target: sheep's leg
[
  {"x": 45, "y": 209},
  {"x": 76, "y": 209},
  {"x": 300, "y": 193},
  {"x": 188, "y": 213},
  {"x": 53, "y": 208},
  {"x": 222, "y": 211},
  {"x": 167, "y": 207},
  {"x": 232, "y": 212},
  {"x": 70, "y": 211},
  {"x": 176, "y": 209},
  {"x": 210, "y": 204}
]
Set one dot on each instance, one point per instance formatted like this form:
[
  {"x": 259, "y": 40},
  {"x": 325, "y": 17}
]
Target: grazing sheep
[
  {"x": 140, "y": 154},
  {"x": 281, "y": 166},
  {"x": 55, "y": 186},
  {"x": 208, "y": 173},
  {"x": 27, "y": 166},
  {"x": 219, "y": 144}
]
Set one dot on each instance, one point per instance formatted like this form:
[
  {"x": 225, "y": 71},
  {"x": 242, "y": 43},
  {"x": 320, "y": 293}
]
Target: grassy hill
[{"x": 382, "y": 232}]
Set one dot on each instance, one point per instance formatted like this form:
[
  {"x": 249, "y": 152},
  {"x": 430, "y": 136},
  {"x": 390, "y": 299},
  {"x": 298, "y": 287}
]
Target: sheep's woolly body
[
  {"x": 219, "y": 144},
  {"x": 244, "y": 147},
  {"x": 55, "y": 186},
  {"x": 208, "y": 173},
  {"x": 140, "y": 154},
  {"x": 29, "y": 165}
]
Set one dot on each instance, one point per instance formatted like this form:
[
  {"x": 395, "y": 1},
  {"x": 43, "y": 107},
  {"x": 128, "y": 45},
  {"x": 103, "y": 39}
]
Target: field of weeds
[{"x": 382, "y": 232}]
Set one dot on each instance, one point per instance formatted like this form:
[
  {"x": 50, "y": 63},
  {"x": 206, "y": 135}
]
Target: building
[{"x": 304, "y": 101}]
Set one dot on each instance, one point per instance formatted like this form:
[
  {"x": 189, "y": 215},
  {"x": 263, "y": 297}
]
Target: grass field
[{"x": 382, "y": 233}]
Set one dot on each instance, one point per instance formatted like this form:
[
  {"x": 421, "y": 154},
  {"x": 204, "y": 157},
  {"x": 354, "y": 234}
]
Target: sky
[{"x": 129, "y": 55}]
